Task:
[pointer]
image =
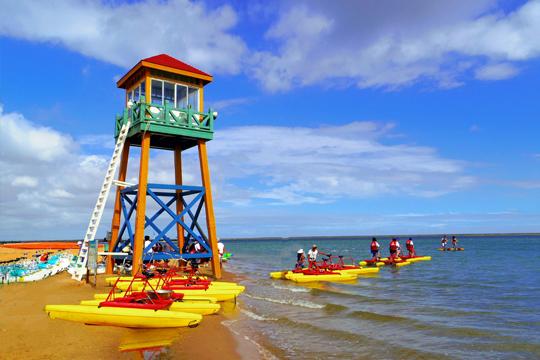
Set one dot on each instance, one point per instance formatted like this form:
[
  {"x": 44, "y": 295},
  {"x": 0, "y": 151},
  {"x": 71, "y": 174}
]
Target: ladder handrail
[{"x": 82, "y": 259}]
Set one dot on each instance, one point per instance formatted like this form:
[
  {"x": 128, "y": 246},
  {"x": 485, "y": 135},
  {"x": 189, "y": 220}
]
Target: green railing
[{"x": 166, "y": 115}]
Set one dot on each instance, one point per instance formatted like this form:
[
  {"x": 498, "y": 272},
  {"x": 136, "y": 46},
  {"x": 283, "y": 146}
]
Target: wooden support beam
[
  {"x": 138, "y": 246},
  {"x": 179, "y": 204},
  {"x": 117, "y": 212},
  {"x": 209, "y": 208}
]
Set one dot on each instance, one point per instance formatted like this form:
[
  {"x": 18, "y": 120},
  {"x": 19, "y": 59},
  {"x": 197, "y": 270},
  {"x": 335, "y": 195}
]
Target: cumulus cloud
[
  {"x": 51, "y": 193},
  {"x": 25, "y": 142},
  {"x": 319, "y": 165},
  {"x": 122, "y": 34},
  {"x": 394, "y": 43},
  {"x": 47, "y": 183}
]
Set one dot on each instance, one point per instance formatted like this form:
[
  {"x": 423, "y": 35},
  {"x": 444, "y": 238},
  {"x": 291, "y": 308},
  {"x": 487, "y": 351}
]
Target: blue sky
[{"x": 335, "y": 117}]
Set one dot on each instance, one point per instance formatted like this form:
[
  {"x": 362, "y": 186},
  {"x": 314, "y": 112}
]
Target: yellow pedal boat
[
  {"x": 301, "y": 278},
  {"x": 124, "y": 317}
]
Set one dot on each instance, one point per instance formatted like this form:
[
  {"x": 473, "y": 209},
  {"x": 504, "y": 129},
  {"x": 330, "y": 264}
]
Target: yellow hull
[
  {"x": 131, "y": 318},
  {"x": 190, "y": 298},
  {"x": 278, "y": 274},
  {"x": 348, "y": 273},
  {"x": 421, "y": 258},
  {"x": 402, "y": 264},
  {"x": 301, "y": 278},
  {"x": 377, "y": 264},
  {"x": 363, "y": 271},
  {"x": 183, "y": 306}
]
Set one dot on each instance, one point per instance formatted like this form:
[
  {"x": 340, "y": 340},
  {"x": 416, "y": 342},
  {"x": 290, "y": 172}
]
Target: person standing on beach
[
  {"x": 375, "y": 247},
  {"x": 221, "y": 251},
  {"x": 410, "y": 247},
  {"x": 454, "y": 242}
]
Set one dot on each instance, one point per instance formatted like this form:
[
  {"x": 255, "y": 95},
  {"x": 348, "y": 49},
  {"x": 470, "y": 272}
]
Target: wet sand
[{"x": 26, "y": 332}]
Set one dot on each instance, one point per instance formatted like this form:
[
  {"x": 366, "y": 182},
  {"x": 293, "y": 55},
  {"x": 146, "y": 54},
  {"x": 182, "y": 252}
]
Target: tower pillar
[
  {"x": 209, "y": 207},
  {"x": 140, "y": 219}
]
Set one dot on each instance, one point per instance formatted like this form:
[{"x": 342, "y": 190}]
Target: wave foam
[
  {"x": 302, "y": 303},
  {"x": 293, "y": 289},
  {"x": 254, "y": 316}
]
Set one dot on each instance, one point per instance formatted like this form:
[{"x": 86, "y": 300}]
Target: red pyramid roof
[
  {"x": 166, "y": 60},
  {"x": 166, "y": 63}
]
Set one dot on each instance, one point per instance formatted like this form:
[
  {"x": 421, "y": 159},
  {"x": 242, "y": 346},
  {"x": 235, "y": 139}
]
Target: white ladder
[{"x": 80, "y": 266}]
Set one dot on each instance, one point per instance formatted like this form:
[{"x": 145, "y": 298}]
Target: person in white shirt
[
  {"x": 147, "y": 243},
  {"x": 221, "y": 250},
  {"x": 312, "y": 256}
]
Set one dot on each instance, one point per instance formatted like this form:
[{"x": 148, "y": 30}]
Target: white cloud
[
  {"x": 496, "y": 72},
  {"x": 25, "y": 142},
  {"x": 25, "y": 181},
  {"x": 319, "y": 165},
  {"x": 47, "y": 185},
  {"x": 393, "y": 44},
  {"x": 223, "y": 104},
  {"x": 251, "y": 166},
  {"x": 122, "y": 34}
]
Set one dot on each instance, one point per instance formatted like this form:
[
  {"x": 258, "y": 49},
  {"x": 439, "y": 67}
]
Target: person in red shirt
[
  {"x": 394, "y": 248},
  {"x": 375, "y": 248},
  {"x": 410, "y": 247}
]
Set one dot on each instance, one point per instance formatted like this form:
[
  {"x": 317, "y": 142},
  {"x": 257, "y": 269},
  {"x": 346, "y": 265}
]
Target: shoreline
[
  {"x": 316, "y": 237},
  {"x": 28, "y": 333}
]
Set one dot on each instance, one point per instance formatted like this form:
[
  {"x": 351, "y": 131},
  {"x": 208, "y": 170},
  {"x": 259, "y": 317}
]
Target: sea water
[{"x": 481, "y": 303}]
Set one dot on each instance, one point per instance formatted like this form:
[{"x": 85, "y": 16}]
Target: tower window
[
  {"x": 157, "y": 92},
  {"x": 177, "y": 95},
  {"x": 168, "y": 93}
]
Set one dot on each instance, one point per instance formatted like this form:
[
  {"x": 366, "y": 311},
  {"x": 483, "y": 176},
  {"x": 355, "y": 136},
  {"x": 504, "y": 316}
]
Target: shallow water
[{"x": 476, "y": 304}]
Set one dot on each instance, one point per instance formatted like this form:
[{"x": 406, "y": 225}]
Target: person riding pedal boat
[
  {"x": 410, "y": 247},
  {"x": 444, "y": 241},
  {"x": 375, "y": 247},
  {"x": 394, "y": 248},
  {"x": 300, "y": 259},
  {"x": 454, "y": 242},
  {"x": 312, "y": 256}
]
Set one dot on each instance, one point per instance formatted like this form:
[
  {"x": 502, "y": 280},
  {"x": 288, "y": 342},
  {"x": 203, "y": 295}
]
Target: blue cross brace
[{"x": 165, "y": 197}]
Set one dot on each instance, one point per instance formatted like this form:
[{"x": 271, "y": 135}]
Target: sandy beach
[{"x": 27, "y": 332}]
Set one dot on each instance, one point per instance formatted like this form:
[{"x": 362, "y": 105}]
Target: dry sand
[{"x": 27, "y": 333}]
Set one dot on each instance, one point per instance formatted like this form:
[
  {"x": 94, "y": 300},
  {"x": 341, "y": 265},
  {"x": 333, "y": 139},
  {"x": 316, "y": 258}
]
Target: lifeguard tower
[{"x": 163, "y": 110}]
